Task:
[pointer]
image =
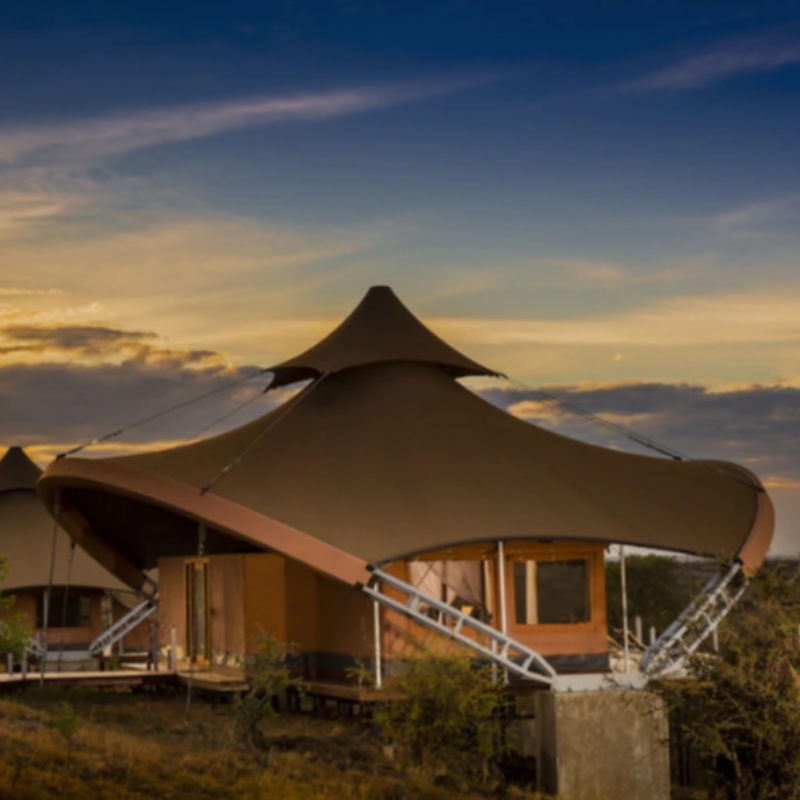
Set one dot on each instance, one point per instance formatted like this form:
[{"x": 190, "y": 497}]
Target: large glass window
[
  {"x": 551, "y": 592},
  {"x": 69, "y": 610}
]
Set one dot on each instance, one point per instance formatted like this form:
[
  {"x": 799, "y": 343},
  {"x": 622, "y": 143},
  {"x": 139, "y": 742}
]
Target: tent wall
[
  {"x": 329, "y": 626},
  {"x": 28, "y": 600}
]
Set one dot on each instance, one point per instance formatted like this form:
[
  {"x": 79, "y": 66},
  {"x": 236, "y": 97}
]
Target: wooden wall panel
[
  {"x": 344, "y": 616},
  {"x": 172, "y": 602},
  {"x": 264, "y": 592},
  {"x": 226, "y": 606}
]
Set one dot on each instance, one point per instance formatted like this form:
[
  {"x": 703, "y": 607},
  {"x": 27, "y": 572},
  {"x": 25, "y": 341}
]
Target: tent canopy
[
  {"x": 26, "y": 535},
  {"x": 384, "y": 455}
]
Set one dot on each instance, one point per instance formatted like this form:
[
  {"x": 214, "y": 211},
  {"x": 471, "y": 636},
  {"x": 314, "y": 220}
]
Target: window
[
  {"x": 461, "y": 584},
  {"x": 551, "y": 592},
  {"x": 74, "y": 613}
]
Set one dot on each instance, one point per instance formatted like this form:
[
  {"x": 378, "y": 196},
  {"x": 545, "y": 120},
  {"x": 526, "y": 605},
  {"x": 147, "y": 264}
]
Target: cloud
[
  {"x": 759, "y": 316},
  {"x": 93, "y": 344},
  {"x": 753, "y": 219},
  {"x": 79, "y": 382},
  {"x": 115, "y": 135},
  {"x": 743, "y": 55},
  {"x": 20, "y": 291}
]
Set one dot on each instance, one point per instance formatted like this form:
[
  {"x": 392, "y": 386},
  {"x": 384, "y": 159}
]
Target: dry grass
[{"x": 140, "y": 746}]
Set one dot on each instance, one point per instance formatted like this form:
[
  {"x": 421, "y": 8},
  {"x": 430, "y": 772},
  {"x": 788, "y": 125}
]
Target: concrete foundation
[{"x": 599, "y": 745}]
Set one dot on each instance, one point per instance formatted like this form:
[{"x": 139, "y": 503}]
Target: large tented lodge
[{"x": 385, "y": 503}]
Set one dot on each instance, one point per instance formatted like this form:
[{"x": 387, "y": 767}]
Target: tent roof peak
[
  {"x": 17, "y": 471},
  {"x": 379, "y": 330}
]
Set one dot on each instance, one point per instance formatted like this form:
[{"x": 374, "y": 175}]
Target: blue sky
[{"x": 596, "y": 197}]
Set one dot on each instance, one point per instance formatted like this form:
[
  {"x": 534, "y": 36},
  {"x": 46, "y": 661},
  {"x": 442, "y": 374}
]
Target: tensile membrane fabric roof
[
  {"x": 26, "y": 535},
  {"x": 384, "y": 455}
]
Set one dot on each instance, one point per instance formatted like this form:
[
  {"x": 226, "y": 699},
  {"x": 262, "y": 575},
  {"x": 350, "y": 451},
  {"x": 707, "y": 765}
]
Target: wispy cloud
[
  {"x": 750, "y": 220},
  {"x": 750, "y": 54},
  {"x": 21, "y": 291},
  {"x": 122, "y": 133},
  {"x": 765, "y": 316}
]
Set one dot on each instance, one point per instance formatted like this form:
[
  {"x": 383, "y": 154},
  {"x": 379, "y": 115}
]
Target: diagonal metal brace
[
  {"x": 501, "y": 649},
  {"x": 700, "y": 619}
]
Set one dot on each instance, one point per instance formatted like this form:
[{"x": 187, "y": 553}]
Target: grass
[{"x": 130, "y": 746}]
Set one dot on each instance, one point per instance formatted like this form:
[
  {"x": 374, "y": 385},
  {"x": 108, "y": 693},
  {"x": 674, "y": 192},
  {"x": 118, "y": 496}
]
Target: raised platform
[{"x": 127, "y": 678}]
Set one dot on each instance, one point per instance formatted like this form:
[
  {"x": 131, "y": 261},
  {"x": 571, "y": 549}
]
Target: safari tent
[
  {"x": 82, "y": 598},
  {"x": 385, "y": 503}
]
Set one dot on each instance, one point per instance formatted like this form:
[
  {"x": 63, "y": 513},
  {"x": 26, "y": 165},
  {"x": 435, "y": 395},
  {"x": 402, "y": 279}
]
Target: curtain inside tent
[{"x": 461, "y": 584}]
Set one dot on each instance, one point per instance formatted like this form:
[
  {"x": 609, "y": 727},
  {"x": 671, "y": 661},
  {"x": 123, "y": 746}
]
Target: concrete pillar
[{"x": 603, "y": 745}]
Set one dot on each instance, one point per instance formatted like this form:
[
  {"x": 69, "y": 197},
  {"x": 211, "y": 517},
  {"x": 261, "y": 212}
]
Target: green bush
[
  {"x": 739, "y": 714},
  {"x": 14, "y": 631},
  {"x": 268, "y": 677},
  {"x": 65, "y": 722},
  {"x": 444, "y": 719}
]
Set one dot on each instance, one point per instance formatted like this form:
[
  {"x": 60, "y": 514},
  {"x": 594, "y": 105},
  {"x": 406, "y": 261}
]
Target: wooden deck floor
[{"x": 97, "y": 680}]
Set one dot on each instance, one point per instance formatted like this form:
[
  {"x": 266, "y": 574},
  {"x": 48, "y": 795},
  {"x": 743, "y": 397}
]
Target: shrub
[
  {"x": 444, "y": 718},
  {"x": 65, "y": 722},
  {"x": 268, "y": 676},
  {"x": 740, "y": 713},
  {"x": 14, "y": 631}
]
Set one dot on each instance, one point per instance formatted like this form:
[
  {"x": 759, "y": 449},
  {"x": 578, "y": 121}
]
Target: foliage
[
  {"x": 740, "y": 715},
  {"x": 14, "y": 631},
  {"x": 268, "y": 676},
  {"x": 136, "y": 746},
  {"x": 361, "y": 673},
  {"x": 444, "y": 718},
  {"x": 656, "y": 591},
  {"x": 65, "y": 722}
]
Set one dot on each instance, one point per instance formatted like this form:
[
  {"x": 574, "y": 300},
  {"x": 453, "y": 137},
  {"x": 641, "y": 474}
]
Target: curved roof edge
[
  {"x": 182, "y": 498},
  {"x": 17, "y": 471},
  {"x": 379, "y": 329},
  {"x": 257, "y": 529}
]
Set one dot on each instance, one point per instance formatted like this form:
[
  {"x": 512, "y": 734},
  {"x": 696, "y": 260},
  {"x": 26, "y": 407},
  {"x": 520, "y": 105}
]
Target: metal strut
[
  {"x": 122, "y": 626},
  {"x": 500, "y": 649},
  {"x": 700, "y": 619}
]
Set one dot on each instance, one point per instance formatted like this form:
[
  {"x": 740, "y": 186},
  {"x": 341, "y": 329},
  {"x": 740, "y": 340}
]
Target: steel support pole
[
  {"x": 501, "y": 585},
  {"x": 624, "y": 588},
  {"x": 376, "y": 621}
]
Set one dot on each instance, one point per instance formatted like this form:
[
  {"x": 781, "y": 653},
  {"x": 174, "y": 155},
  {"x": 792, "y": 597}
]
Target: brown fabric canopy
[
  {"x": 385, "y": 455},
  {"x": 380, "y": 329},
  {"x": 26, "y": 535}
]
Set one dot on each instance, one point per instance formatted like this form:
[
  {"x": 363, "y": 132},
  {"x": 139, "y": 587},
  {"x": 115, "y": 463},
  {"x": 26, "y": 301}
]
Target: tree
[
  {"x": 739, "y": 714},
  {"x": 268, "y": 676},
  {"x": 657, "y": 592},
  {"x": 443, "y": 717},
  {"x": 14, "y": 631}
]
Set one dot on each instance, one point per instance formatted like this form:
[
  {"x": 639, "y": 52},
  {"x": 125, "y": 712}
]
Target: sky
[{"x": 596, "y": 198}]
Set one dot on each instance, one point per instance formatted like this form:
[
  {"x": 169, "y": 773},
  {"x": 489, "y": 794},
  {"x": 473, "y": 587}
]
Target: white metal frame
[
  {"x": 700, "y": 619},
  {"x": 501, "y": 649},
  {"x": 124, "y": 625}
]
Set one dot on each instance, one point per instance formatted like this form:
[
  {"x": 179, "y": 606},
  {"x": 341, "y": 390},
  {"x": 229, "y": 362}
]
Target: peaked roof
[
  {"x": 385, "y": 455},
  {"x": 26, "y": 534},
  {"x": 17, "y": 471},
  {"x": 379, "y": 330}
]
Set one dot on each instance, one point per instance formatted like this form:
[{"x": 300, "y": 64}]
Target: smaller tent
[{"x": 84, "y": 596}]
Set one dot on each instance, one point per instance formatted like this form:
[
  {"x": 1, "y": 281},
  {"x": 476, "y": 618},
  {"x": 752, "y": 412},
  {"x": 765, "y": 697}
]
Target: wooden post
[
  {"x": 624, "y": 587},
  {"x": 173, "y": 649}
]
